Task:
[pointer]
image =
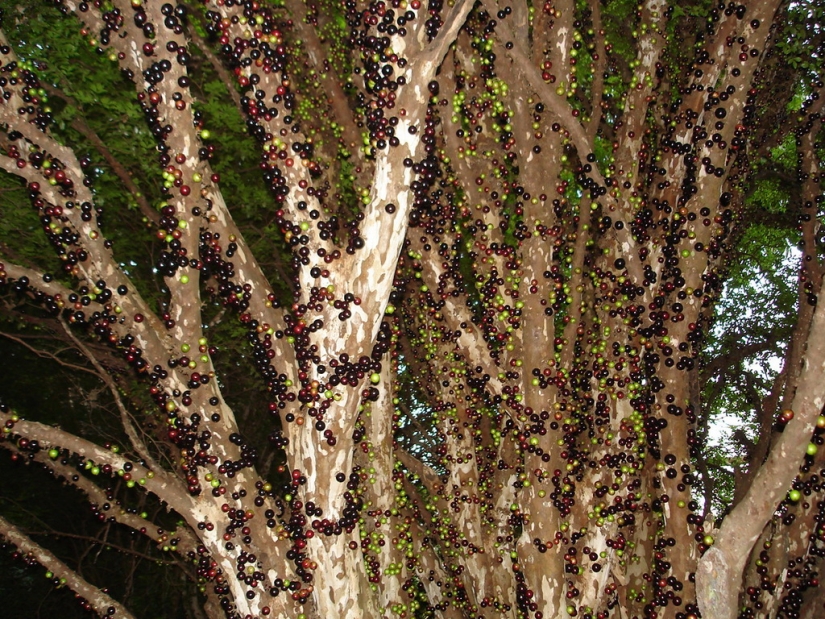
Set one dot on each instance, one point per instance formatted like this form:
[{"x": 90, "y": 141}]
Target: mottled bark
[{"x": 540, "y": 257}]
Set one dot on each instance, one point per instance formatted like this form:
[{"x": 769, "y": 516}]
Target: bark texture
[{"x": 508, "y": 225}]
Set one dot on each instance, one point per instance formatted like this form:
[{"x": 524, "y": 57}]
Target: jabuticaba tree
[{"x": 506, "y": 227}]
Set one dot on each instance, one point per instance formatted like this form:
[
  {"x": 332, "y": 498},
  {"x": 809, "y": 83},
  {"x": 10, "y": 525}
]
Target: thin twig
[
  {"x": 44, "y": 354},
  {"x": 99, "y": 542},
  {"x": 125, "y": 417}
]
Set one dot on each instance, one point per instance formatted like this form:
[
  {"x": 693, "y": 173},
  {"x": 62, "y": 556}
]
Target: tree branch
[
  {"x": 158, "y": 482},
  {"x": 188, "y": 543},
  {"x": 416, "y": 467},
  {"x": 44, "y": 354},
  {"x": 738, "y": 354},
  {"x": 577, "y": 273},
  {"x": 556, "y": 105},
  {"x": 125, "y": 417},
  {"x": 80, "y": 125},
  {"x": 599, "y": 65},
  {"x": 330, "y": 84},
  {"x": 40, "y": 281},
  {"x": 95, "y": 541},
  {"x": 720, "y": 570},
  {"x": 104, "y": 605},
  {"x": 217, "y": 65},
  {"x": 66, "y": 193}
]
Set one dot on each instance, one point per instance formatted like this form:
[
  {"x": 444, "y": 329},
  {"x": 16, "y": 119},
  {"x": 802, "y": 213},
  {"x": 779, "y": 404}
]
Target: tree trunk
[{"x": 485, "y": 382}]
